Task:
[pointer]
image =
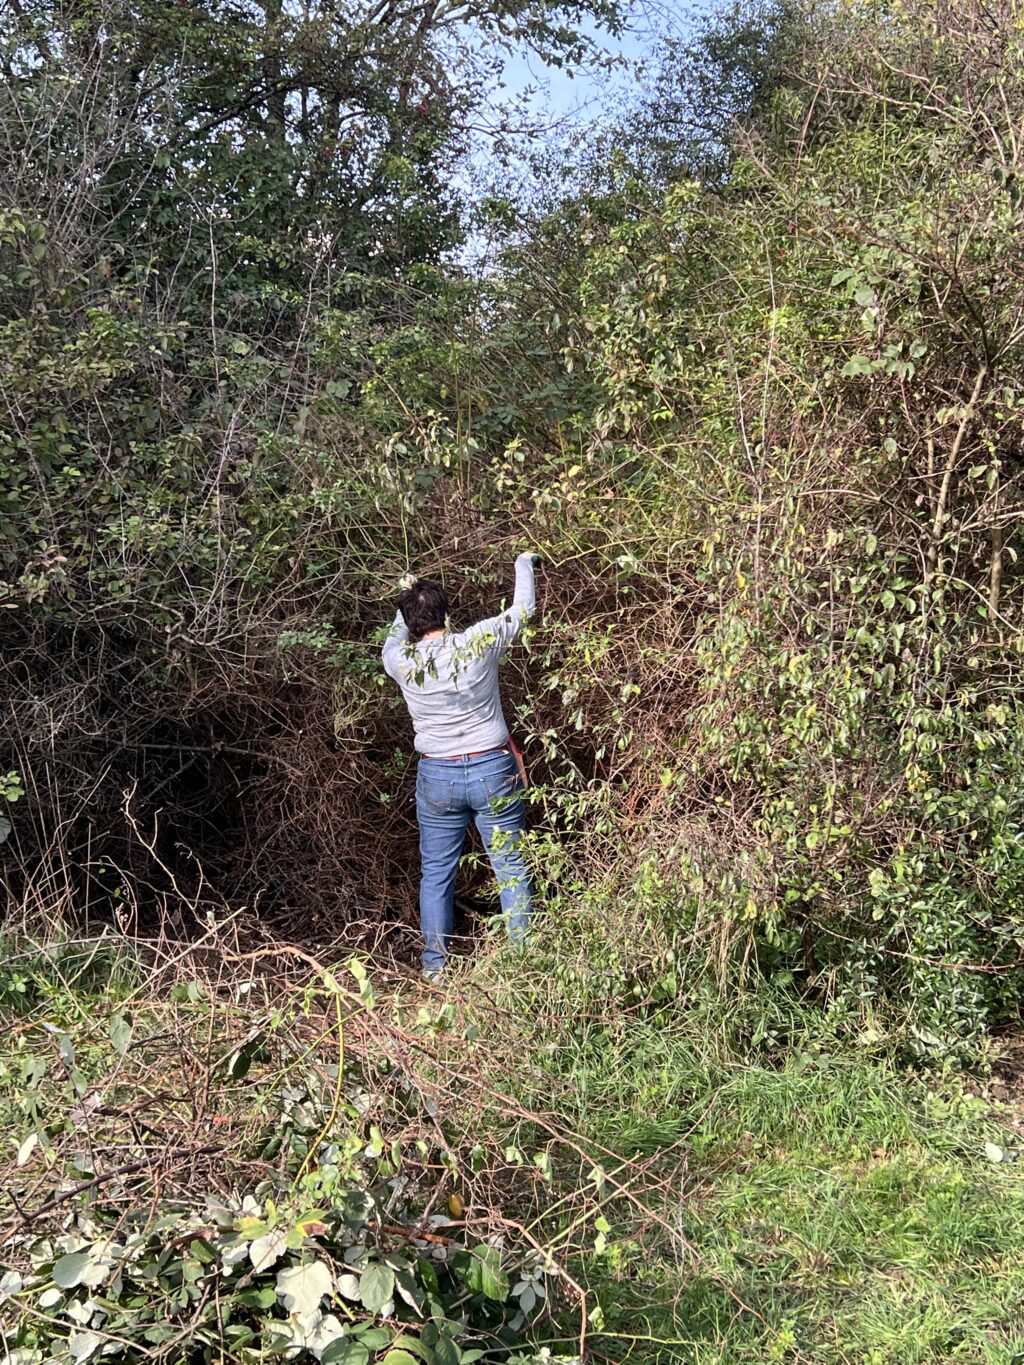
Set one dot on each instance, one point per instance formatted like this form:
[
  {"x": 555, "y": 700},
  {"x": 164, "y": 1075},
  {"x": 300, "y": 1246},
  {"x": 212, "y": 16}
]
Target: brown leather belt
[{"x": 457, "y": 758}]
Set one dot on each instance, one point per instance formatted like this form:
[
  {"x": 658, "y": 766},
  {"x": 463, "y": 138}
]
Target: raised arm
[
  {"x": 501, "y": 630},
  {"x": 394, "y": 646}
]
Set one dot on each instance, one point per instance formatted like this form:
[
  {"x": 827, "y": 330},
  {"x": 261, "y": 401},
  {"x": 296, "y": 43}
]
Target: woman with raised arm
[{"x": 468, "y": 766}]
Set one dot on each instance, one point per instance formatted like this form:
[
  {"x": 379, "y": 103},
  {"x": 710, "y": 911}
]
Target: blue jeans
[{"x": 448, "y": 792}]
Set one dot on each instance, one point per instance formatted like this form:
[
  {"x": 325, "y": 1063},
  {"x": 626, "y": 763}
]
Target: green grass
[
  {"x": 804, "y": 1198},
  {"x": 860, "y": 1226},
  {"x": 831, "y": 1205}
]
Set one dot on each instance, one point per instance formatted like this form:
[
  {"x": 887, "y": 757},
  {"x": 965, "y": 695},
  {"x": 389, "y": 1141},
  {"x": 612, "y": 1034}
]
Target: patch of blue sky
[{"x": 537, "y": 110}]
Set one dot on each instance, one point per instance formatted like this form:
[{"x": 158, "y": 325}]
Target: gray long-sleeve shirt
[{"x": 450, "y": 684}]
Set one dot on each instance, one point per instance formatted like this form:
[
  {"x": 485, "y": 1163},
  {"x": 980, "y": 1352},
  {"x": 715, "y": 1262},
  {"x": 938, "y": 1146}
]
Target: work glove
[{"x": 406, "y": 581}]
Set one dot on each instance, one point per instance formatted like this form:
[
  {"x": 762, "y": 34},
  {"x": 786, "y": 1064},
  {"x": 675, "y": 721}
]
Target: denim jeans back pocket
[
  {"x": 506, "y": 782},
  {"x": 434, "y": 793}
]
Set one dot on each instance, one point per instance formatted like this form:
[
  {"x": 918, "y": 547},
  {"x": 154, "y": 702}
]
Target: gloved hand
[{"x": 406, "y": 581}]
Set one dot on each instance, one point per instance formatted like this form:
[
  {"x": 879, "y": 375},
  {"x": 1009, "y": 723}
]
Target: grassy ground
[
  {"x": 704, "y": 1197},
  {"x": 853, "y": 1212}
]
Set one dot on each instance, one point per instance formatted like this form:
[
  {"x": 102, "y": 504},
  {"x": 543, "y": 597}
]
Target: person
[{"x": 468, "y": 766}]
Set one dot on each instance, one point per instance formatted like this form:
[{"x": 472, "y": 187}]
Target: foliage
[
  {"x": 780, "y": 480},
  {"x": 752, "y": 390},
  {"x": 817, "y": 1200},
  {"x": 212, "y": 217},
  {"x": 762, "y": 423},
  {"x": 253, "y": 1280},
  {"x": 261, "y": 1199},
  {"x": 186, "y": 1179}
]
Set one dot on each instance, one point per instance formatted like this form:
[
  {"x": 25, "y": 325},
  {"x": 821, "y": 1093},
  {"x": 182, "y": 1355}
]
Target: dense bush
[
  {"x": 763, "y": 421},
  {"x": 794, "y": 457}
]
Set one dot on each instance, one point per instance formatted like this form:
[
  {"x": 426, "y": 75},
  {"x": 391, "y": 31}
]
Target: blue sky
[
  {"x": 563, "y": 107},
  {"x": 559, "y": 94}
]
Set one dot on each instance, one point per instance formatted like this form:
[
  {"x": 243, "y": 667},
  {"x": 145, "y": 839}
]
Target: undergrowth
[{"x": 521, "y": 1167}]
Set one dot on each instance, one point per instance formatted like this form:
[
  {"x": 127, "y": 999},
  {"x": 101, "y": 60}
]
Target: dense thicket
[
  {"x": 212, "y": 216},
  {"x": 763, "y": 419}
]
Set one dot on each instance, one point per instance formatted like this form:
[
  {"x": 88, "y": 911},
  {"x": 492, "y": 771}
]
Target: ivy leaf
[
  {"x": 376, "y": 1287},
  {"x": 301, "y": 1287}
]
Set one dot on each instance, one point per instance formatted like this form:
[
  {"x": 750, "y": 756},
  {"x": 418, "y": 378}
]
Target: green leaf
[
  {"x": 11, "y": 1283},
  {"x": 399, "y": 1357},
  {"x": 345, "y": 1351},
  {"x": 376, "y": 1287},
  {"x": 27, "y": 1148},
  {"x": 119, "y": 1030},
  {"x": 415, "y": 1347},
  {"x": 407, "y": 1288},
  {"x": 81, "y": 1345},
  {"x": 267, "y": 1250},
  {"x": 242, "y": 1058},
  {"x": 446, "y": 1352},
  {"x": 68, "y": 1271},
  {"x": 375, "y": 1337},
  {"x": 994, "y": 1153},
  {"x": 263, "y": 1297},
  {"x": 858, "y": 364},
  {"x": 348, "y": 1285},
  {"x": 428, "y": 1276},
  {"x": 484, "y": 1274}
]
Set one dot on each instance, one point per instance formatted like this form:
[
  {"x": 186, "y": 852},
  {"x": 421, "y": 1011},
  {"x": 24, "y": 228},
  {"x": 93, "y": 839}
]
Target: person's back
[
  {"x": 450, "y": 681},
  {"x": 467, "y": 764}
]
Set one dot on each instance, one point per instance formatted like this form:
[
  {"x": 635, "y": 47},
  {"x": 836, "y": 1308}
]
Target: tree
[{"x": 212, "y": 213}]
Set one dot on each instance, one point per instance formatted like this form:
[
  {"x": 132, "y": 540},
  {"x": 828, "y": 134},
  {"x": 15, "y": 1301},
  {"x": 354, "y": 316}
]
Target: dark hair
[{"x": 424, "y": 607}]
